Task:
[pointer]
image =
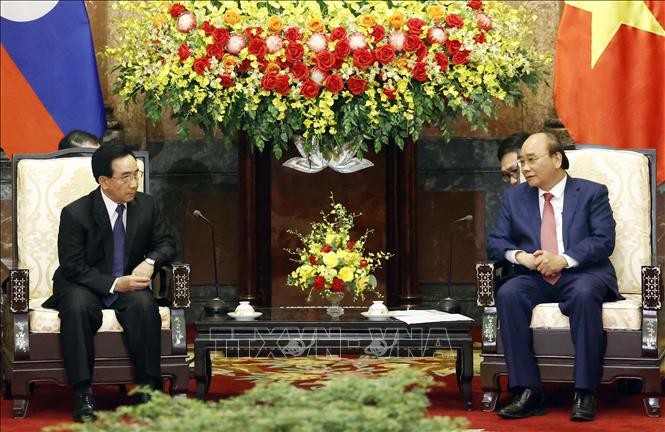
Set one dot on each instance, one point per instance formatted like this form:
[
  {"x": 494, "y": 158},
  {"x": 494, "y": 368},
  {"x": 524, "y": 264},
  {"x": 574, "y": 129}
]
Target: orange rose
[
  {"x": 435, "y": 12},
  {"x": 229, "y": 61},
  {"x": 316, "y": 25},
  {"x": 232, "y": 17},
  {"x": 397, "y": 20},
  {"x": 367, "y": 21},
  {"x": 275, "y": 24},
  {"x": 272, "y": 67},
  {"x": 402, "y": 63}
]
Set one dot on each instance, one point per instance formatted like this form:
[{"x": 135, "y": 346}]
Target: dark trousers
[
  {"x": 580, "y": 297},
  {"x": 81, "y": 317}
]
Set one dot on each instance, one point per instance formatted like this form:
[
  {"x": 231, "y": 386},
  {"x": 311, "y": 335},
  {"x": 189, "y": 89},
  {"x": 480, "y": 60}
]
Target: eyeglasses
[
  {"x": 127, "y": 178},
  {"x": 511, "y": 173},
  {"x": 530, "y": 160}
]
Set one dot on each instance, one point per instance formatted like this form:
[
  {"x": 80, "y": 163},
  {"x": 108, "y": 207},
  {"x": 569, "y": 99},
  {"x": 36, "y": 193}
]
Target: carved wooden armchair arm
[
  {"x": 486, "y": 278},
  {"x": 15, "y": 315},
  {"x": 652, "y": 310},
  {"x": 174, "y": 283}
]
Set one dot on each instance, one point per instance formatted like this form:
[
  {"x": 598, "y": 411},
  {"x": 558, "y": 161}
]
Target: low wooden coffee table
[{"x": 310, "y": 331}]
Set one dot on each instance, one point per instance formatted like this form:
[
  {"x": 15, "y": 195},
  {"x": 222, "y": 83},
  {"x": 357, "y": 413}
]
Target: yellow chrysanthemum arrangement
[
  {"x": 331, "y": 261},
  {"x": 323, "y": 69}
]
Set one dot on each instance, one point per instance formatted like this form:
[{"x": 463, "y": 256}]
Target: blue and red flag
[{"x": 48, "y": 73}]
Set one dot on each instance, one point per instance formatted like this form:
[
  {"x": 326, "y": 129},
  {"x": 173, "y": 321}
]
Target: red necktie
[{"x": 548, "y": 233}]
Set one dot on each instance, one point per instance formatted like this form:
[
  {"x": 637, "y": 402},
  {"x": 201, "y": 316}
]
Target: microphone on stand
[
  {"x": 215, "y": 305},
  {"x": 449, "y": 304}
]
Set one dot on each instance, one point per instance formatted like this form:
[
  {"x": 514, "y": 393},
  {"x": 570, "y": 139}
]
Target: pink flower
[
  {"x": 186, "y": 22},
  {"x": 437, "y": 35},
  {"x": 274, "y": 43},
  {"x": 317, "y": 42},
  {"x": 484, "y": 22},
  {"x": 396, "y": 40},
  {"x": 318, "y": 76},
  {"x": 235, "y": 44},
  {"x": 357, "y": 41}
]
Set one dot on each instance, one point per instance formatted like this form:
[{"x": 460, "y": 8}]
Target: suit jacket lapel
[
  {"x": 570, "y": 199},
  {"x": 101, "y": 217},
  {"x": 130, "y": 231},
  {"x": 533, "y": 213}
]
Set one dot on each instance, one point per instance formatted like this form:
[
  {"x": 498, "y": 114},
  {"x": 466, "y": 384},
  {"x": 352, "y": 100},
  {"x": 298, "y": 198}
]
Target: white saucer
[
  {"x": 375, "y": 317},
  {"x": 245, "y": 317}
]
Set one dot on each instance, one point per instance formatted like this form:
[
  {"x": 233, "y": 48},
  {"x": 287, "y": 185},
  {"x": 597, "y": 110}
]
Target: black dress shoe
[
  {"x": 529, "y": 402},
  {"x": 584, "y": 406},
  {"x": 84, "y": 408}
]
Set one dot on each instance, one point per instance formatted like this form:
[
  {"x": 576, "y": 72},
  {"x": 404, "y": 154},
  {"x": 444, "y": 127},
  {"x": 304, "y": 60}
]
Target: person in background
[
  {"x": 97, "y": 271},
  {"x": 507, "y": 153},
  {"x": 79, "y": 138},
  {"x": 558, "y": 232}
]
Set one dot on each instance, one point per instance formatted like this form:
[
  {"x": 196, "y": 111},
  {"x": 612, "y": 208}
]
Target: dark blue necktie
[{"x": 118, "y": 252}]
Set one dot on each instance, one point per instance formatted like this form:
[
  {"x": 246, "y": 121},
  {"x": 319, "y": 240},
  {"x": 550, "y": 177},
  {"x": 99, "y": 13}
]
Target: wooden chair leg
[
  {"x": 122, "y": 388},
  {"x": 488, "y": 403},
  {"x": 19, "y": 408},
  {"x": 652, "y": 405}
]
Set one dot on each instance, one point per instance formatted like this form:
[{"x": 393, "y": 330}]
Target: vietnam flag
[
  {"x": 609, "y": 84},
  {"x": 48, "y": 74}
]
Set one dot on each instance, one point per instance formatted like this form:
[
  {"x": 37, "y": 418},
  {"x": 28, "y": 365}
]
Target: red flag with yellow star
[{"x": 609, "y": 83}]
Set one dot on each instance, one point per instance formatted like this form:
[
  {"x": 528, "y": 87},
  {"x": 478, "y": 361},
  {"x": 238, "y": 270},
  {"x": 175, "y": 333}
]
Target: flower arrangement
[
  {"x": 330, "y": 261},
  {"x": 323, "y": 69}
]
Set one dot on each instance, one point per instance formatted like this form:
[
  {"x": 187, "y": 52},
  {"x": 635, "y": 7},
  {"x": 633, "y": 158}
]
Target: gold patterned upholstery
[
  {"x": 626, "y": 175},
  {"x": 45, "y": 186}
]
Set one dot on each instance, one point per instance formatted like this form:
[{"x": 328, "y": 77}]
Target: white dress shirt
[{"x": 557, "y": 203}]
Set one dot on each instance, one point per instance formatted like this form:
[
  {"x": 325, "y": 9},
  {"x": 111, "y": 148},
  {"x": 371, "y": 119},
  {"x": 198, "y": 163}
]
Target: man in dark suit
[
  {"x": 104, "y": 265},
  {"x": 559, "y": 232}
]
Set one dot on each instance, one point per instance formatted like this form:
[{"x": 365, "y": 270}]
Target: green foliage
[{"x": 391, "y": 403}]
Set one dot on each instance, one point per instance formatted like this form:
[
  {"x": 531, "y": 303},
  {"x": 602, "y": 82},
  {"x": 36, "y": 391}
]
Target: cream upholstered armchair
[
  {"x": 42, "y": 186},
  {"x": 635, "y": 327}
]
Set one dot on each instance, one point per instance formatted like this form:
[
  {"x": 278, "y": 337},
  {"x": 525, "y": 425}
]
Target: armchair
[
  {"x": 635, "y": 327},
  {"x": 42, "y": 185}
]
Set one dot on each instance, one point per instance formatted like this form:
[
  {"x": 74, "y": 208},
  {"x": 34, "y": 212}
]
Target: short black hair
[
  {"x": 555, "y": 146},
  {"x": 78, "y": 138},
  {"x": 103, "y": 157},
  {"x": 511, "y": 144}
]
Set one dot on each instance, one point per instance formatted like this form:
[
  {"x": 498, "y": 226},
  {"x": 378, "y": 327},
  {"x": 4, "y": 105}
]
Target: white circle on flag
[{"x": 24, "y": 11}]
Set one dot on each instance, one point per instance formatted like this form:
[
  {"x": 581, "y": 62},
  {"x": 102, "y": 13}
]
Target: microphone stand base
[
  {"x": 449, "y": 305},
  {"x": 215, "y": 306}
]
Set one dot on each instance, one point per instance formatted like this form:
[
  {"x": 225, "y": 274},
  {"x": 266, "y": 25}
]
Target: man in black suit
[{"x": 104, "y": 265}]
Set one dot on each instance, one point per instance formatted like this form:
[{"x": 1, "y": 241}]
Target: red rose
[
  {"x": 334, "y": 83},
  {"x": 337, "y": 285},
  {"x": 176, "y": 10},
  {"x": 441, "y": 60},
  {"x": 293, "y": 34},
  {"x": 412, "y": 42},
  {"x": 356, "y": 85},
  {"x": 350, "y": 245},
  {"x": 319, "y": 282},
  {"x": 342, "y": 49},
  {"x": 326, "y": 248},
  {"x": 225, "y": 80},
  {"x": 220, "y": 35},
  {"x": 454, "y": 20},
  {"x": 338, "y": 33},
  {"x": 479, "y": 38},
  {"x": 312, "y": 259},
  {"x": 415, "y": 26},
  {"x": 378, "y": 33},
  {"x": 294, "y": 51},
  {"x": 390, "y": 93},
  {"x": 207, "y": 28},
  {"x": 184, "y": 52},
  {"x": 310, "y": 90},
  {"x": 453, "y": 46},
  {"x": 300, "y": 71},
  {"x": 338, "y": 63},
  {"x": 257, "y": 47},
  {"x": 461, "y": 57},
  {"x": 363, "y": 58},
  {"x": 214, "y": 50},
  {"x": 475, "y": 4},
  {"x": 252, "y": 32},
  {"x": 268, "y": 81},
  {"x": 421, "y": 52},
  {"x": 385, "y": 54},
  {"x": 325, "y": 60},
  {"x": 282, "y": 87},
  {"x": 419, "y": 72},
  {"x": 244, "y": 66},
  {"x": 201, "y": 65},
  {"x": 363, "y": 263}
]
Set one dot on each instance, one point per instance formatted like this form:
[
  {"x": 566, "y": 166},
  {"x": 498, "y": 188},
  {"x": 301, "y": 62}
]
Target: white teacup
[
  {"x": 377, "y": 308},
  {"x": 244, "y": 309}
]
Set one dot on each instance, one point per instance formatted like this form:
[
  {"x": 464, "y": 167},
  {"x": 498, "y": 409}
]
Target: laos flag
[{"x": 48, "y": 74}]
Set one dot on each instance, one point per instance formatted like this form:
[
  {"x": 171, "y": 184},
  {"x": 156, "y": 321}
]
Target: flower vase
[{"x": 335, "y": 310}]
